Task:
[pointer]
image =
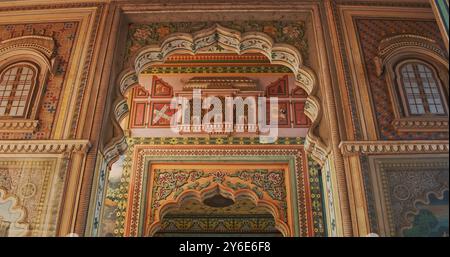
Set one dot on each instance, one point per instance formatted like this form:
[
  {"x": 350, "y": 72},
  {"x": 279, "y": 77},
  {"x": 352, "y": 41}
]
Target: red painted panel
[
  {"x": 301, "y": 120},
  {"x": 161, "y": 89},
  {"x": 139, "y": 114},
  {"x": 140, "y": 92},
  {"x": 299, "y": 92},
  {"x": 160, "y": 115},
  {"x": 279, "y": 88},
  {"x": 284, "y": 115}
]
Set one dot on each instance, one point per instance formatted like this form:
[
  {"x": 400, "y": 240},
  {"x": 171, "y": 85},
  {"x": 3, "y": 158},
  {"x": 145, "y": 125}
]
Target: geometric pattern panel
[
  {"x": 411, "y": 195},
  {"x": 288, "y": 32},
  {"x": 34, "y": 184},
  {"x": 316, "y": 189},
  {"x": 64, "y": 35}
]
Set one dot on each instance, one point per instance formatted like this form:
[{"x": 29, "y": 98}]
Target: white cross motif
[{"x": 161, "y": 114}]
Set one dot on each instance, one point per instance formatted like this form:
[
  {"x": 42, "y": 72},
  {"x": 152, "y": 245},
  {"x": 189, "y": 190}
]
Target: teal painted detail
[{"x": 442, "y": 6}]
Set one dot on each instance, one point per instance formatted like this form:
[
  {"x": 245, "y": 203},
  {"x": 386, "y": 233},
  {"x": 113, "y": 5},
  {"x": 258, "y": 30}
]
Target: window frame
[
  {"x": 32, "y": 92},
  {"x": 400, "y": 87}
]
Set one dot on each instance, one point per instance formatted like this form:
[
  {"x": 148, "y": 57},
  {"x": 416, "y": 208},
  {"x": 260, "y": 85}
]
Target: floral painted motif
[
  {"x": 271, "y": 182},
  {"x": 119, "y": 196},
  {"x": 315, "y": 183},
  {"x": 270, "y": 30},
  {"x": 289, "y": 32},
  {"x": 169, "y": 184}
]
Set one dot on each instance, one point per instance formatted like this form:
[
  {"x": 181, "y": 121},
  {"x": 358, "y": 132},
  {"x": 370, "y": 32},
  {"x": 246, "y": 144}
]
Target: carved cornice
[
  {"x": 394, "y": 147},
  {"x": 18, "y": 126},
  {"x": 35, "y": 5},
  {"x": 389, "y": 47},
  {"x": 421, "y": 125},
  {"x": 42, "y": 44},
  {"x": 44, "y": 146}
]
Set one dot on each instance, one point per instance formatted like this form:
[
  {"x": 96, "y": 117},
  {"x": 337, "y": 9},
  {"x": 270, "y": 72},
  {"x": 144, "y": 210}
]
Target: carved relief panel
[
  {"x": 411, "y": 195},
  {"x": 30, "y": 194}
]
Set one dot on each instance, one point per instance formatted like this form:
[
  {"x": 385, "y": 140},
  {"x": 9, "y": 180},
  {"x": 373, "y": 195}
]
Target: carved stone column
[{"x": 77, "y": 158}]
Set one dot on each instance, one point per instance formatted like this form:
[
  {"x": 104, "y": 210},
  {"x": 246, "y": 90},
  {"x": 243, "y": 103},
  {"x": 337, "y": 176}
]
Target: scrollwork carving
[{"x": 392, "y": 46}]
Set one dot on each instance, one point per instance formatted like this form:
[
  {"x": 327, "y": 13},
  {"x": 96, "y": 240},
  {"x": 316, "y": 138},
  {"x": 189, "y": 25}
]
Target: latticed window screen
[
  {"x": 16, "y": 84},
  {"x": 421, "y": 89}
]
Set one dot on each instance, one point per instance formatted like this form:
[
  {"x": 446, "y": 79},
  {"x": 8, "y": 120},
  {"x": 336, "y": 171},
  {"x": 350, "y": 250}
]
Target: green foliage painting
[{"x": 431, "y": 220}]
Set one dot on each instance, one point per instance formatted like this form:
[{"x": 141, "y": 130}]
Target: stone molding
[
  {"x": 394, "y": 147},
  {"x": 44, "y": 146},
  {"x": 18, "y": 126}
]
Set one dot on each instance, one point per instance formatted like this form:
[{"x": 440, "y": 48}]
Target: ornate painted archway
[
  {"x": 220, "y": 184},
  {"x": 217, "y": 39},
  {"x": 159, "y": 177}
]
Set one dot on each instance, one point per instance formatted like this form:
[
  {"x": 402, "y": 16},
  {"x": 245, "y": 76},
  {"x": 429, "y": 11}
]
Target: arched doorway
[{"x": 218, "y": 216}]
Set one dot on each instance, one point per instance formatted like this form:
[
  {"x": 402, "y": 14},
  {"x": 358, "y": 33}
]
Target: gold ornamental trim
[
  {"x": 388, "y": 147},
  {"x": 44, "y": 146}
]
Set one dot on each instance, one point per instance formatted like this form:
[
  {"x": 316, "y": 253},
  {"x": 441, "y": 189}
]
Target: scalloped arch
[
  {"x": 203, "y": 194},
  {"x": 215, "y": 39}
]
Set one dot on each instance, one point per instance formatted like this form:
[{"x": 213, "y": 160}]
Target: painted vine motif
[
  {"x": 220, "y": 224},
  {"x": 289, "y": 32},
  {"x": 169, "y": 184},
  {"x": 216, "y": 69}
]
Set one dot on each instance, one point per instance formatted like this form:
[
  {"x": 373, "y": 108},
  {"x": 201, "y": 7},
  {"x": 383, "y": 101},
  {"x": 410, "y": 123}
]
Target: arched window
[
  {"x": 17, "y": 83},
  {"x": 420, "y": 89}
]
